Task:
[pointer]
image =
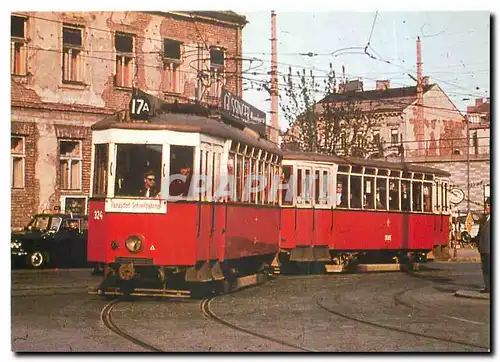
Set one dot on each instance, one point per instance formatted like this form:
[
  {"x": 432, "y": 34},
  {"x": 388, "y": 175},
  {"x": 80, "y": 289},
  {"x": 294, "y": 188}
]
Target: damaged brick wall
[
  {"x": 44, "y": 109},
  {"x": 441, "y": 132}
]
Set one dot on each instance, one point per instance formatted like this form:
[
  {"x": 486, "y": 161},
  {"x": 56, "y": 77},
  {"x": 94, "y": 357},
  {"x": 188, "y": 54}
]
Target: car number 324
[{"x": 97, "y": 214}]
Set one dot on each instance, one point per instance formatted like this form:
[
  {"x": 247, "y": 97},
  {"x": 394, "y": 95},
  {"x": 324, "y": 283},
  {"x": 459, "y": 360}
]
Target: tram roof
[
  {"x": 341, "y": 160},
  {"x": 180, "y": 122}
]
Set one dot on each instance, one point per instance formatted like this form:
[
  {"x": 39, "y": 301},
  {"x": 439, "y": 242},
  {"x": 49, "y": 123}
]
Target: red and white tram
[
  {"x": 181, "y": 197},
  {"x": 340, "y": 207},
  {"x": 171, "y": 234}
]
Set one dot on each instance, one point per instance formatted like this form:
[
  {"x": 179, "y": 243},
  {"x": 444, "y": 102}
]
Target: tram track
[
  {"x": 108, "y": 322},
  {"x": 207, "y": 311},
  {"x": 391, "y": 328}
]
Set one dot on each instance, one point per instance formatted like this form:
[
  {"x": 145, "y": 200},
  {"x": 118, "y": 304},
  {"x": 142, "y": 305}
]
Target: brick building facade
[{"x": 70, "y": 69}]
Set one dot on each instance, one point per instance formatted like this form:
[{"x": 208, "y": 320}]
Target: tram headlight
[{"x": 133, "y": 244}]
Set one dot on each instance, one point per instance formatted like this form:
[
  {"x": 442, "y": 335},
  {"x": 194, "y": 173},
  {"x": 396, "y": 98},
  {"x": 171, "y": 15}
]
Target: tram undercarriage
[
  {"x": 322, "y": 259},
  {"x": 131, "y": 279}
]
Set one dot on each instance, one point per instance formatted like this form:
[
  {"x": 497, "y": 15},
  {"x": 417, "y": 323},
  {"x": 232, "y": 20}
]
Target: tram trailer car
[
  {"x": 181, "y": 237},
  {"x": 374, "y": 211}
]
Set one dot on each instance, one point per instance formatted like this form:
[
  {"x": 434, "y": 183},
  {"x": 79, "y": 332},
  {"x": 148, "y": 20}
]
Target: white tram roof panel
[
  {"x": 181, "y": 122},
  {"x": 354, "y": 161}
]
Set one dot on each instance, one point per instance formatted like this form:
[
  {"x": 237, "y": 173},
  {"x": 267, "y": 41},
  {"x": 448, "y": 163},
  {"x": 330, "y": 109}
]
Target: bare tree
[{"x": 337, "y": 125}]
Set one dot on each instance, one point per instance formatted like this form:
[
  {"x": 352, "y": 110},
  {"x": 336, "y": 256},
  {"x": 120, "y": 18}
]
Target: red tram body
[
  {"x": 198, "y": 237},
  {"x": 312, "y": 208},
  {"x": 317, "y": 228}
]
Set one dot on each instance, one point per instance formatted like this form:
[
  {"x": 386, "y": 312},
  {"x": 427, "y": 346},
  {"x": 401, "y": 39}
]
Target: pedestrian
[{"x": 484, "y": 247}]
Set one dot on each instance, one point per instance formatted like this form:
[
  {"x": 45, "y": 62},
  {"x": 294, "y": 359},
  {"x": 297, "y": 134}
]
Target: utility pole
[
  {"x": 468, "y": 164},
  {"x": 274, "y": 134},
  {"x": 419, "y": 134},
  {"x": 199, "y": 74}
]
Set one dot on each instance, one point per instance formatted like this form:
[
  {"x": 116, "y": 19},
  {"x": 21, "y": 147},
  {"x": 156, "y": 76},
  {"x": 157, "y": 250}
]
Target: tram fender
[
  {"x": 302, "y": 253},
  {"x": 199, "y": 273},
  {"x": 321, "y": 253}
]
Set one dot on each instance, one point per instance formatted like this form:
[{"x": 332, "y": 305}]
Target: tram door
[{"x": 211, "y": 212}]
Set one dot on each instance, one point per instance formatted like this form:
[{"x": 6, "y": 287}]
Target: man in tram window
[
  {"x": 150, "y": 189},
  {"x": 179, "y": 187},
  {"x": 405, "y": 197},
  {"x": 427, "y": 199},
  {"x": 380, "y": 197},
  {"x": 340, "y": 196},
  {"x": 393, "y": 196}
]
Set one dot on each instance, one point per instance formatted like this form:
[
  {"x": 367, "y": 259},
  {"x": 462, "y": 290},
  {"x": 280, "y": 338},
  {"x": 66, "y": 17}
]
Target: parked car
[{"x": 51, "y": 239}]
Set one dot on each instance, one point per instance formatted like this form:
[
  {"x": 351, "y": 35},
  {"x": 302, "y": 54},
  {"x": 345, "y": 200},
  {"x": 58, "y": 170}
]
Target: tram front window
[
  {"x": 181, "y": 163},
  {"x": 138, "y": 170}
]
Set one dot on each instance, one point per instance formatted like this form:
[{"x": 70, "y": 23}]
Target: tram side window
[
  {"x": 445, "y": 197},
  {"x": 100, "y": 170},
  {"x": 239, "y": 177},
  {"x": 138, "y": 170},
  {"x": 405, "y": 195},
  {"x": 427, "y": 197},
  {"x": 325, "y": 193},
  {"x": 394, "y": 195},
  {"x": 355, "y": 192},
  {"x": 181, "y": 164},
  {"x": 287, "y": 194},
  {"x": 369, "y": 193},
  {"x": 381, "y": 195},
  {"x": 341, "y": 196},
  {"x": 230, "y": 183},
  {"x": 417, "y": 196}
]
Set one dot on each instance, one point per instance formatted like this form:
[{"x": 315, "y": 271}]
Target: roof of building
[
  {"x": 392, "y": 99},
  {"x": 225, "y": 15},
  {"x": 482, "y": 108}
]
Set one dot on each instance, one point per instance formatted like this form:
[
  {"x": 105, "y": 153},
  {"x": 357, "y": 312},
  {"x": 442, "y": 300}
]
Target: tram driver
[{"x": 150, "y": 189}]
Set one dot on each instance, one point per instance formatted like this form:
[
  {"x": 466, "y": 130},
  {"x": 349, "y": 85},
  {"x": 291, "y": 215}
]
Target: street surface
[{"x": 379, "y": 312}]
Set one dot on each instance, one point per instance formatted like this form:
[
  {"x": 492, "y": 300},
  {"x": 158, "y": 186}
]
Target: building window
[
  {"x": 124, "y": 45},
  {"x": 171, "y": 63},
  {"x": 75, "y": 205},
  {"x": 70, "y": 162},
  {"x": 376, "y": 137},
  {"x": 18, "y": 45},
  {"x": 17, "y": 156},
  {"x": 216, "y": 59},
  {"x": 394, "y": 136},
  {"x": 216, "y": 77},
  {"x": 72, "y": 54}
]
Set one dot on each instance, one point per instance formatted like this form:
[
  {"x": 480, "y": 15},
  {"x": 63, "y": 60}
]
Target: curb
[
  {"x": 472, "y": 294},
  {"x": 44, "y": 271}
]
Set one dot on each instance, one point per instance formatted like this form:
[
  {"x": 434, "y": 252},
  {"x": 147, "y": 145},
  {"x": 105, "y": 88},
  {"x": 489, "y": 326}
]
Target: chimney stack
[
  {"x": 383, "y": 84},
  {"x": 425, "y": 81},
  {"x": 479, "y": 101}
]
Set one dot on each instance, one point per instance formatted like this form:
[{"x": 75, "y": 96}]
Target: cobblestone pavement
[{"x": 51, "y": 311}]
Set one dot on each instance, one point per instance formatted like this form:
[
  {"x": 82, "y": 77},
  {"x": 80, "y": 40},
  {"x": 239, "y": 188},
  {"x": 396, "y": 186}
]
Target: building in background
[{"x": 70, "y": 69}]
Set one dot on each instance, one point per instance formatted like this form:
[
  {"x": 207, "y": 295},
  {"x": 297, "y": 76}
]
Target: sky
[{"x": 455, "y": 49}]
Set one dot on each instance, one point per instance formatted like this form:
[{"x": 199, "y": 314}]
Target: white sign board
[
  {"x": 141, "y": 206},
  {"x": 456, "y": 196}
]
